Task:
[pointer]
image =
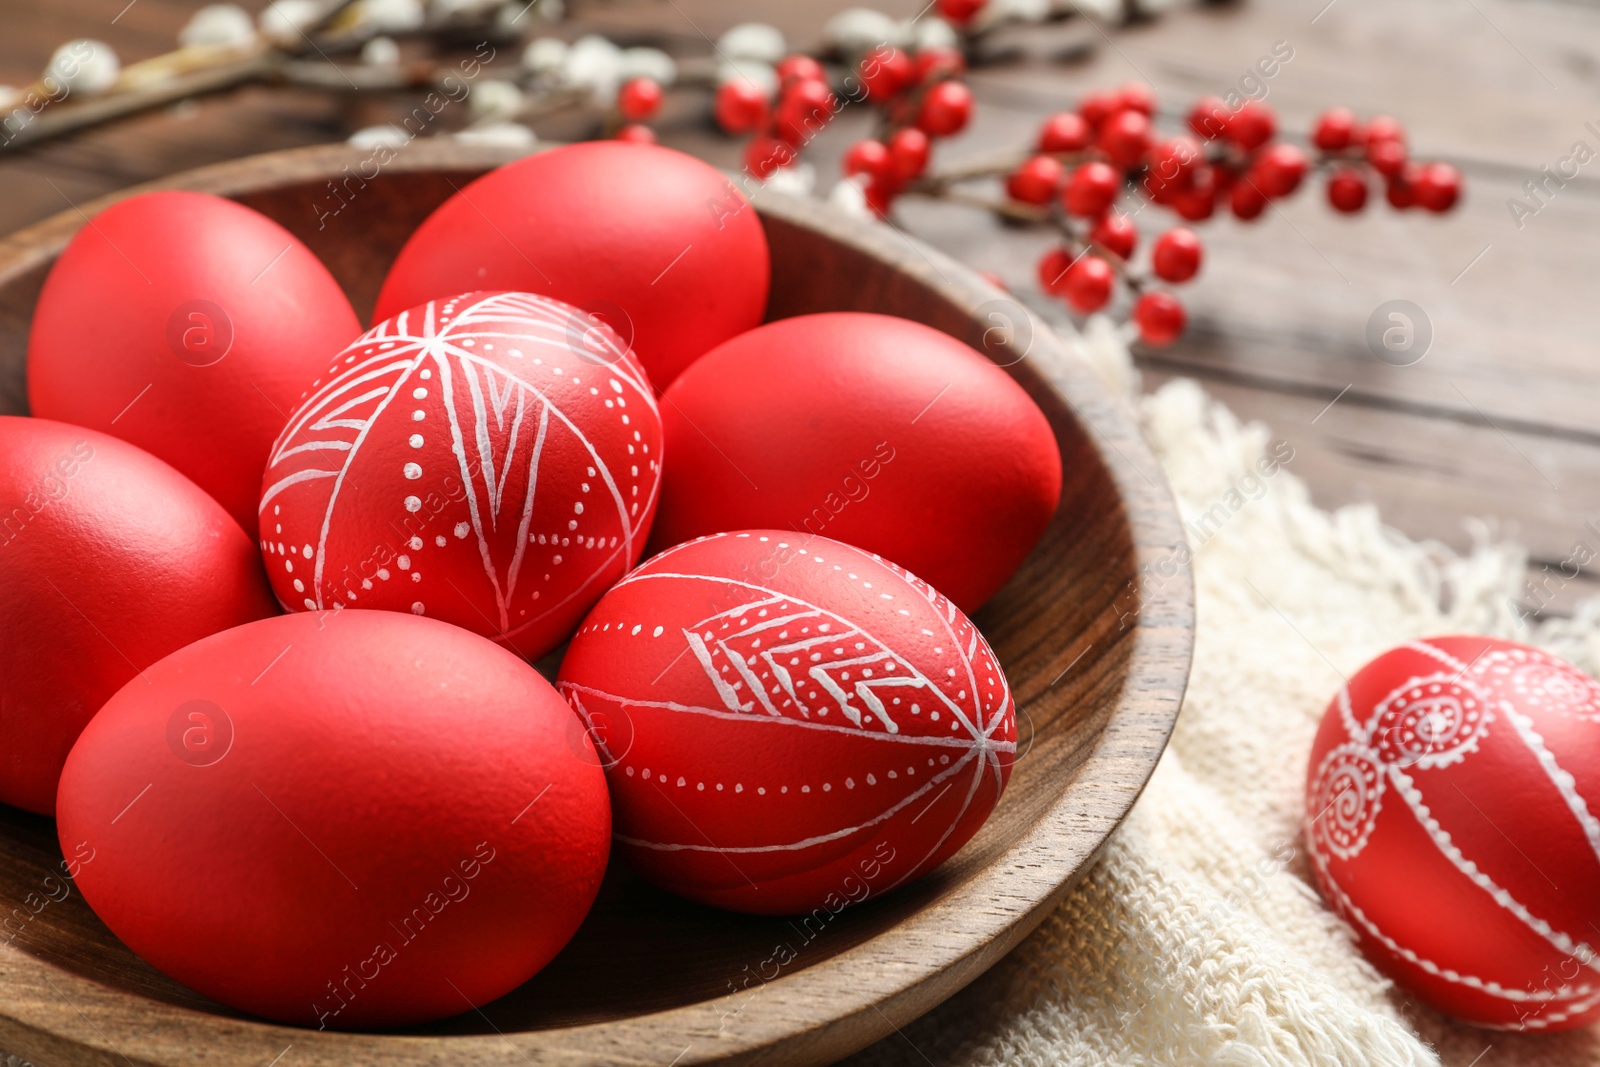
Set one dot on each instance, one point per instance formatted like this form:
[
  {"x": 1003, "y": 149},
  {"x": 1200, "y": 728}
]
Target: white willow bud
[
  {"x": 82, "y": 66},
  {"x": 378, "y": 137},
  {"x": 381, "y": 52},
  {"x": 391, "y": 16},
  {"x": 850, "y": 197},
  {"x": 285, "y": 21},
  {"x": 499, "y": 135},
  {"x": 544, "y": 55},
  {"x": 650, "y": 63},
  {"x": 496, "y": 98},
  {"x": 858, "y": 30},
  {"x": 752, "y": 40},
  {"x": 225, "y": 25}
]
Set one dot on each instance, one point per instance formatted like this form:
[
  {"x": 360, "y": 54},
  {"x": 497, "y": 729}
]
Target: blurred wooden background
[{"x": 1497, "y": 422}]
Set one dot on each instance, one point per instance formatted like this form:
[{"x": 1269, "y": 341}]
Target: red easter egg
[
  {"x": 190, "y": 326},
  {"x": 789, "y": 723},
  {"x": 655, "y": 243},
  {"x": 357, "y": 820},
  {"x": 872, "y": 430},
  {"x": 1451, "y": 805},
  {"x": 109, "y": 560},
  {"x": 492, "y": 460}
]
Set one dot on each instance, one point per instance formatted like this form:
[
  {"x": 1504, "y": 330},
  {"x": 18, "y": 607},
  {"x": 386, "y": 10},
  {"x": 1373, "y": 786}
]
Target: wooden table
[{"x": 1497, "y": 421}]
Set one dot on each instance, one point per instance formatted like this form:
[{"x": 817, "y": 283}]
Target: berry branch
[{"x": 1088, "y": 177}]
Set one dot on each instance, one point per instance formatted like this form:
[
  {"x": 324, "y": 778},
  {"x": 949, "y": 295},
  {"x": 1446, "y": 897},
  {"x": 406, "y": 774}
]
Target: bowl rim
[{"x": 957, "y": 937}]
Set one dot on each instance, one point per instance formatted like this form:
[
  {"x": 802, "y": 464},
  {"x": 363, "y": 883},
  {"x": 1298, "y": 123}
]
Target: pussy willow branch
[{"x": 203, "y": 70}]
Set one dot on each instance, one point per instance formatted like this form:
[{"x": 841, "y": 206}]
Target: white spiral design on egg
[{"x": 1346, "y": 800}]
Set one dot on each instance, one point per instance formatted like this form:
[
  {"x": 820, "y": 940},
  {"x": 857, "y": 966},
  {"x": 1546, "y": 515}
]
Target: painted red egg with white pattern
[
  {"x": 1453, "y": 820},
  {"x": 491, "y": 460},
  {"x": 789, "y": 723}
]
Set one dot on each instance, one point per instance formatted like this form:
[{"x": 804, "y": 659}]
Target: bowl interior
[{"x": 1061, "y": 628}]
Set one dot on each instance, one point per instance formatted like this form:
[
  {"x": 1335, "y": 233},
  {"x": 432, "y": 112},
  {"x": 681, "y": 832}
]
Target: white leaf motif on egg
[{"x": 489, "y": 421}]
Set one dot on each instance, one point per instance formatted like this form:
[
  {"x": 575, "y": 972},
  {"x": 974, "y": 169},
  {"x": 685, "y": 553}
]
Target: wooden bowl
[{"x": 1097, "y": 659}]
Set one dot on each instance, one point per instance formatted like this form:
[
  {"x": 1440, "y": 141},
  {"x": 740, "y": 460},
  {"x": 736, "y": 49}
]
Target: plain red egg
[
  {"x": 872, "y": 430},
  {"x": 109, "y": 560},
  {"x": 492, "y": 460},
  {"x": 789, "y": 724},
  {"x": 354, "y": 820},
  {"x": 190, "y": 326},
  {"x": 657, "y": 244},
  {"x": 1451, "y": 804}
]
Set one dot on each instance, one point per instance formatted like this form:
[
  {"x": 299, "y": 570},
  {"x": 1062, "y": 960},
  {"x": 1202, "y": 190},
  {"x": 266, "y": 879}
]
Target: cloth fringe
[{"x": 1200, "y": 938}]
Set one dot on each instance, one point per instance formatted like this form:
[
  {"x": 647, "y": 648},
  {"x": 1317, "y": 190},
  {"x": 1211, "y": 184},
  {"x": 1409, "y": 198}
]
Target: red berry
[
  {"x": 639, "y": 99},
  {"x": 1172, "y": 163},
  {"x": 946, "y": 108},
  {"x": 909, "y": 149},
  {"x": 1335, "y": 129},
  {"x": 885, "y": 72},
  {"x": 1223, "y": 178},
  {"x": 1097, "y": 107},
  {"x": 1347, "y": 190},
  {"x": 637, "y": 134},
  {"x": 960, "y": 12},
  {"x": 1160, "y": 318},
  {"x": 1091, "y": 189},
  {"x": 1137, "y": 96},
  {"x": 1116, "y": 233},
  {"x": 800, "y": 67},
  {"x": 740, "y": 107},
  {"x": 763, "y": 155},
  {"x": 1164, "y": 193},
  {"x": 1385, "y": 128},
  {"x": 1036, "y": 181},
  {"x": 1279, "y": 169},
  {"x": 803, "y": 109},
  {"x": 938, "y": 62},
  {"x": 1388, "y": 157},
  {"x": 1401, "y": 188},
  {"x": 1246, "y": 201},
  {"x": 1124, "y": 137},
  {"x": 1053, "y": 270},
  {"x": 1438, "y": 187},
  {"x": 867, "y": 157},
  {"x": 1209, "y": 118},
  {"x": 1088, "y": 284},
  {"x": 879, "y": 195},
  {"x": 1252, "y": 126},
  {"x": 1195, "y": 205},
  {"x": 1065, "y": 131},
  {"x": 1176, "y": 254}
]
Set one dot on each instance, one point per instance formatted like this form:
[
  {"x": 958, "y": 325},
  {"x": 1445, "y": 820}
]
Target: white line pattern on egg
[
  {"x": 497, "y": 424},
  {"x": 1532, "y": 673}
]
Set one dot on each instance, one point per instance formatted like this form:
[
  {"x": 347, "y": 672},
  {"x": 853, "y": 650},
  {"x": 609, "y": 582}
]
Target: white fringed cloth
[{"x": 1200, "y": 937}]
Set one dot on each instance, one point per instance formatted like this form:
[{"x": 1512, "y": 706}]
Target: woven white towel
[{"x": 1200, "y": 937}]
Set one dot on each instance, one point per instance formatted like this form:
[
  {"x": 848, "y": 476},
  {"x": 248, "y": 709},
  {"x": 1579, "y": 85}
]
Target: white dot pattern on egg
[
  {"x": 448, "y": 434},
  {"x": 830, "y": 701}
]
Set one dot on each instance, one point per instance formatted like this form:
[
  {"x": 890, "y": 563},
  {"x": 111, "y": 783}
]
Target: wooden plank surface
[{"x": 1496, "y": 422}]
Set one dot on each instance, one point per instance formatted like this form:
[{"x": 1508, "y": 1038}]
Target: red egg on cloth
[
  {"x": 872, "y": 430},
  {"x": 109, "y": 560},
  {"x": 655, "y": 243},
  {"x": 358, "y": 820},
  {"x": 190, "y": 326},
  {"x": 789, "y": 723},
  {"x": 1451, "y": 805},
  {"x": 492, "y": 460}
]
